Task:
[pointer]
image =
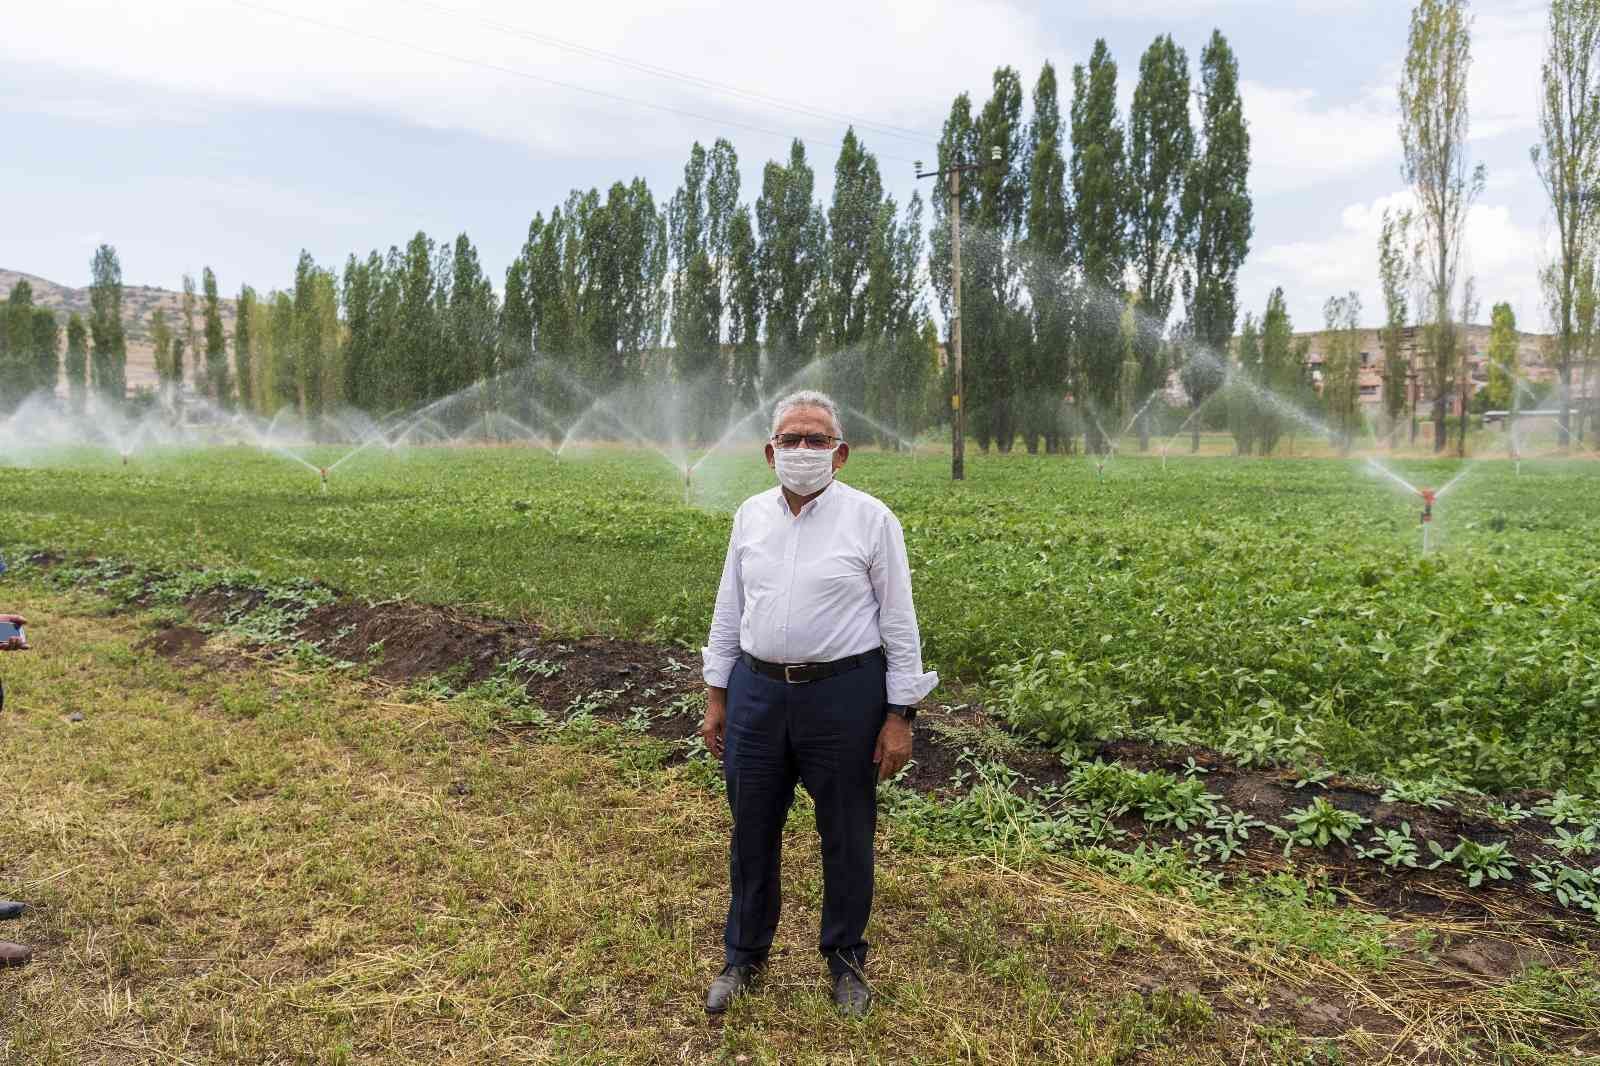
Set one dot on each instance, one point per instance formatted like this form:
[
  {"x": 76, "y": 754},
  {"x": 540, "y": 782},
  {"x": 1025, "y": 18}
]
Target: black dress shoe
[
  {"x": 11, "y": 909},
  {"x": 731, "y": 982},
  {"x": 851, "y": 994}
]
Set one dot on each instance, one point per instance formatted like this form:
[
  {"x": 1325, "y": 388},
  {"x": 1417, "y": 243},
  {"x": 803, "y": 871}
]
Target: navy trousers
[{"x": 821, "y": 734}]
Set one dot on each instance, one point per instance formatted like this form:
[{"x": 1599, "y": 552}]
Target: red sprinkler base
[{"x": 1427, "y": 504}]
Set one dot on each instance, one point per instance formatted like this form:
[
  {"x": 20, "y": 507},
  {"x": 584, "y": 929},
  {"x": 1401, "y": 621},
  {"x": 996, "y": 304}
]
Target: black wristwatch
[{"x": 908, "y": 713}]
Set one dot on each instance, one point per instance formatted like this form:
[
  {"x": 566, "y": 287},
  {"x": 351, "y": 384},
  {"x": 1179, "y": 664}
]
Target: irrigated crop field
[{"x": 1357, "y": 780}]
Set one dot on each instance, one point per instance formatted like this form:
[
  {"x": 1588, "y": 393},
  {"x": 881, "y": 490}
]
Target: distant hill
[{"x": 139, "y": 302}]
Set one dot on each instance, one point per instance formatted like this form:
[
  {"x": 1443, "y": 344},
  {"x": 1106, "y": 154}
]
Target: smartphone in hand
[{"x": 11, "y": 631}]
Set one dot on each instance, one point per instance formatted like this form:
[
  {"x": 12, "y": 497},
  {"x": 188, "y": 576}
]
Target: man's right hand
[{"x": 716, "y": 720}]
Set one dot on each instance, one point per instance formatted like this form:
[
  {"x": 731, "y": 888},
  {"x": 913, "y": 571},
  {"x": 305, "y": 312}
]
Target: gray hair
[{"x": 807, "y": 398}]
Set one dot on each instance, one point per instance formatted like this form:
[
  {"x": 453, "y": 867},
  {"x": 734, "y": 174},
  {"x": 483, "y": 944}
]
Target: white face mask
[{"x": 803, "y": 470}]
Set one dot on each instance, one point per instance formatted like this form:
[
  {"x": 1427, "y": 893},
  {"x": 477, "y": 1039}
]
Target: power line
[
  {"x": 921, "y": 137},
  {"x": 528, "y": 75}
]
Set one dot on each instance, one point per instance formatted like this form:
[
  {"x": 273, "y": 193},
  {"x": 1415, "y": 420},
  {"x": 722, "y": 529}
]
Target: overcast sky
[{"x": 234, "y": 134}]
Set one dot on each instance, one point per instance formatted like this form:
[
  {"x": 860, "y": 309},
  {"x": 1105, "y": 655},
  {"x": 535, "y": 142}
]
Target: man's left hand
[{"x": 894, "y": 747}]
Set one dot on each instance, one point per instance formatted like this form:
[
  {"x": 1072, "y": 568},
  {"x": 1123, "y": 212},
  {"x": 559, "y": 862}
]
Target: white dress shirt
[{"x": 824, "y": 584}]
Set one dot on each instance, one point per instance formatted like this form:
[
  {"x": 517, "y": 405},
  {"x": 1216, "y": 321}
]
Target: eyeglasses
[{"x": 810, "y": 440}]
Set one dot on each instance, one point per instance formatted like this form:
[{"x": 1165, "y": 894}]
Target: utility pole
[{"x": 958, "y": 422}]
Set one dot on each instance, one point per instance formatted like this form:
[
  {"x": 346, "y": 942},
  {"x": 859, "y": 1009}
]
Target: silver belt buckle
[{"x": 786, "y": 668}]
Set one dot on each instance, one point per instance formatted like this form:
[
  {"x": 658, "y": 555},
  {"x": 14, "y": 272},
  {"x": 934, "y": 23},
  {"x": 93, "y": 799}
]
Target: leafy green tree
[
  {"x": 516, "y": 318},
  {"x": 76, "y": 363},
  {"x": 1503, "y": 358},
  {"x": 901, "y": 362},
  {"x": 790, "y": 258},
  {"x": 1160, "y": 155},
  {"x": 471, "y": 327},
  {"x": 1395, "y": 279},
  {"x": 243, "y": 346},
  {"x": 219, "y": 377},
  {"x": 416, "y": 334},
  {"x": 1046, "y": 364},
  {"x": 696, "y": 301},
  {"x": 16, "y": 340},
  {"x": 958, "y": 143},
  {"x": 190, "y": 341},
  {"x": 856, "y": 229},
  {"x": 1100, "y": 205},
  {"x": 1568, "y": 162},
  {"x": 161, "y": 339},
  {"x": 1216, "y": 201},
  {"x": 1433, "y": 136},
  {"x": 46, "y": 350},
  {"x": 1341, "y": 368},
  {"x": 996, "y": 325},
  {"x": 1280, "y": 372},
  {"x": 744, "y": 309},
  {"x": 108, "y": 357},
  {"x": 1243, "y": 414}
]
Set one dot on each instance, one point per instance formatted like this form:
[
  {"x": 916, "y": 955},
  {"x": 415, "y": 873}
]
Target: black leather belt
[{"x": 801, "y": 673}]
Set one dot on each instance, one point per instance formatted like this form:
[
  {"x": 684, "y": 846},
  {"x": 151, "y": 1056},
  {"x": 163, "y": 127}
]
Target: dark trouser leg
[
  {"x": 835, "y": 726},
  {"x": 760, "y": 773}
]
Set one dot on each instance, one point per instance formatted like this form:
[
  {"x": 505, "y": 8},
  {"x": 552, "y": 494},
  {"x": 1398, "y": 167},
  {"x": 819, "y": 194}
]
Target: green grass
[
  {"x": 269, "y": 861},
  {"x": 1214, "y": 600}
]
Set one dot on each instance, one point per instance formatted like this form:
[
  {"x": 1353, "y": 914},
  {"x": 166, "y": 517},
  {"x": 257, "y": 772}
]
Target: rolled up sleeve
[
  {"x": 721, "y": 650},
  {"x": 908, "y": 683}
]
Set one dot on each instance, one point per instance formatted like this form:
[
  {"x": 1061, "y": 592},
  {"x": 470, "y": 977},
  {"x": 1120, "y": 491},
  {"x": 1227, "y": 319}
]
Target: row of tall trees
[
  {"x": 1081, "y": 223},
  {"x": 1420, "y": 251}
]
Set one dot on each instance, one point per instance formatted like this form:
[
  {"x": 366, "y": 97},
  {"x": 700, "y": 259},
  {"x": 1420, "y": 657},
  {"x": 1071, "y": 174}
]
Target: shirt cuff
[
  {"x": 715, "y": 667},
  {"x": 905, "y": 689}
]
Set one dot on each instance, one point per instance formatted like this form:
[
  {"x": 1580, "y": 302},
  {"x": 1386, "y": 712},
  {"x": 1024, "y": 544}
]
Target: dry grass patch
[{"x": 284, "y": 864}]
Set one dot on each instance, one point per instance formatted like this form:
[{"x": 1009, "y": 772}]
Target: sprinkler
[
  {"x": 1428, "y": 496},
  {"x": 1100, "y": 469},
  {"x": 124, "y": 458},
  {"x": 322, "y": 470},
  {"x": 688, "y": 483}
]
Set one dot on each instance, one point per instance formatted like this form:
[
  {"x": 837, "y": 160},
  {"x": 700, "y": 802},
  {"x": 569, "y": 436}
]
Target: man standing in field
[{"x": 813, "y": 671}]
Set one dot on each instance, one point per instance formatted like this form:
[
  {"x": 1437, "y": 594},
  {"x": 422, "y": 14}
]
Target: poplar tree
[
  {"x": 1160, "y": 155},
  {"x": 696, "y": 299},
  {"x": 793, "y": 234},
  {"x": 1216, "y": 201},
  {"x": 219, "y": 379},
  {"x": 1395, "y": 279},
  {"x": 958, "y": 143},
  {"x": 161, "y": 341},
  {"x": 1242, "y": 375},
  {"x": 855, "y": 225},
  {"x": 1280, "y": 371},
  {"x": 744, "y": 309},
  {"x": 243, "y": 346},
  {"x": 16, "y": 337},
  {"x": 46, "y": 350},
  {"x": 1503, "y": 360},
  {"x": 109, "y": 344},
  {"x": 190, "y": 341},
  {"x": 1433, "y": 136},
  {"x": 1341, "y": 368},
  {"x": 1568, "y": 163},
  {"x": 76, "y": 363},
  {"x": 1045, "y": 373},
  {"x": 1100, "y": 213}
]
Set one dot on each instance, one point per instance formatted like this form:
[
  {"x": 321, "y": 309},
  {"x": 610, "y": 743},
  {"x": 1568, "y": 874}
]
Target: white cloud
[
  {"x": 1299, "y": 138},
  {"x": 1502, "y": 252},
  {"x": 401, "y": 59}
]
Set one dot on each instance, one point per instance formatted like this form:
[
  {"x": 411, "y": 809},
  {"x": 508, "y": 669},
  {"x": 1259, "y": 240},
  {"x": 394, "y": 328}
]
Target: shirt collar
[{"x": 815, "y": 505}]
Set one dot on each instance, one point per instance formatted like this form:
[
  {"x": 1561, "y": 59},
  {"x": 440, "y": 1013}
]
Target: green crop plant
[{"x": 1317, "y": 825}]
